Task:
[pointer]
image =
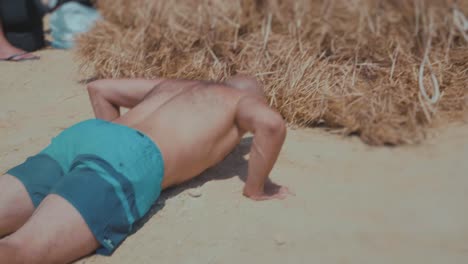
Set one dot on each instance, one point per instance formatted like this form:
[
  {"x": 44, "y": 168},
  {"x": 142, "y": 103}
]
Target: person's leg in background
[
  {"x": 21, "y": 29},
  {"x": 9, "y": 52}
]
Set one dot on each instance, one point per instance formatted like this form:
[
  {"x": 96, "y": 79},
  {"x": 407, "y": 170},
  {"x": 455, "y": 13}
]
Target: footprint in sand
[{"x": 6, "y": 118}]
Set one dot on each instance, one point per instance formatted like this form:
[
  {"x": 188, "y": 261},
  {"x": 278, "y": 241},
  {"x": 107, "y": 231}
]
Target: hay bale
[{"x": 346, "y": 64}]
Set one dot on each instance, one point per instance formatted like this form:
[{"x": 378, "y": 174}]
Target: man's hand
[{"x": 271, "y": 191}]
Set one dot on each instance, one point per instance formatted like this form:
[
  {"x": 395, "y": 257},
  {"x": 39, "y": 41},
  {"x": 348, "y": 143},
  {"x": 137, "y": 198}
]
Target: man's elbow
[
  {"x": 97, "y": 88},
  {"x": 274, "y": 126},
  {"x": 92, "y": 88}
]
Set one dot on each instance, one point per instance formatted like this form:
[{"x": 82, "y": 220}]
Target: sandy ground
[{"x": 353, "y": 203}]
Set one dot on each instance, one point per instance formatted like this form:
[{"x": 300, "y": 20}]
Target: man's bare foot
[{"x": 10, "y": 53}]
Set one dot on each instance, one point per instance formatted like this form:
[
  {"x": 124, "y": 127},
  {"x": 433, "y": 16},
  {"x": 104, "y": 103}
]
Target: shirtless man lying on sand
[{"x": 84, "y": 191}]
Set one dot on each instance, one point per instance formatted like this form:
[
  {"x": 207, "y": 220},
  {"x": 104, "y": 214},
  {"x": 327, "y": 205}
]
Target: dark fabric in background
[{"x": 22, "y": 22}]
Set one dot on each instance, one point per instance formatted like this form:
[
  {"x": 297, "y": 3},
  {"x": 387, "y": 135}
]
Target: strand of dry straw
[
  {"x": 436, "y": 96},
  {"x": 460, "y": 22}
]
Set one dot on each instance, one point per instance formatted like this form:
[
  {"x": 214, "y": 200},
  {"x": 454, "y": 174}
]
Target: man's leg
[
  {"x": 8, "y": 253},
  {"x": 56, "y": 233},
  {"x": 15, "y": 205}
]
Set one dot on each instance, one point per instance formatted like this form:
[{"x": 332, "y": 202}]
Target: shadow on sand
[{"x": 233, "y": 165}]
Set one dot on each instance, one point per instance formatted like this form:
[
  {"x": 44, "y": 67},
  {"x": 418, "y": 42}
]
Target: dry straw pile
[{"x": 369, "y": 67}]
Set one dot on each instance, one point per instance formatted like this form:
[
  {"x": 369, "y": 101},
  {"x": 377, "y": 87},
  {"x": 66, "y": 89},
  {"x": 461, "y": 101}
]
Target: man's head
[{"x": 246, "y": 83}]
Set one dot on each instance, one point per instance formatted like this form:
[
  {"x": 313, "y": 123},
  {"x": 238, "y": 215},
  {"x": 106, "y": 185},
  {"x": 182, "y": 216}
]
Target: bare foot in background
[{"x": 10, "y": 53}]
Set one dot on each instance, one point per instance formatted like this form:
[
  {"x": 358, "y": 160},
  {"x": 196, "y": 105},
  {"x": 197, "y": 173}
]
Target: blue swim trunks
[{"x": 110, "y": 173}]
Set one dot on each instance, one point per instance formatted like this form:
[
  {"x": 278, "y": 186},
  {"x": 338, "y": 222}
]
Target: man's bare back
[
  {"x": 196, "y": 124},
  {"x": 192, "y": 125}
]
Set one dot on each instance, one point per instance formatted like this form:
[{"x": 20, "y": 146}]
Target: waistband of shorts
[{"x": 145, "y": 137}]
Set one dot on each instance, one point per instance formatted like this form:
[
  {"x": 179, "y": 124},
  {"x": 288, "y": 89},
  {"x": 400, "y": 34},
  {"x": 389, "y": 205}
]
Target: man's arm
[
  {"x": 269, "y": 129},
  {"x": 108, "y": 95}
]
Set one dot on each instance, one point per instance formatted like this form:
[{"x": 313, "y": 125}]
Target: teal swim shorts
[{"x": 110, "y": 173}]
